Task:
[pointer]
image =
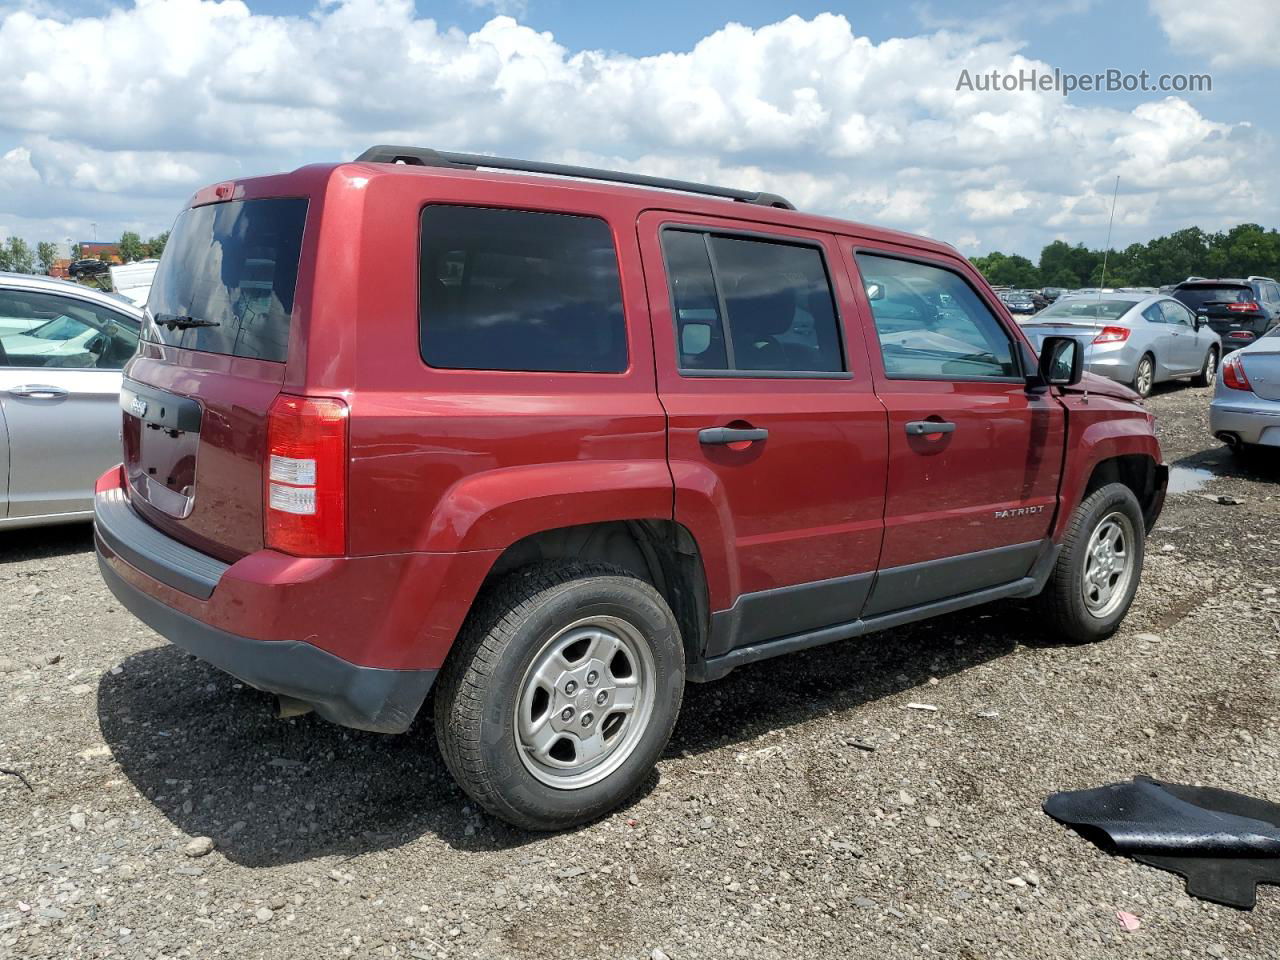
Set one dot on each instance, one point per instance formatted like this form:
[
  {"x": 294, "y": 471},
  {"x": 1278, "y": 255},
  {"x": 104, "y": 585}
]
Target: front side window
[
  {"x": 751, "y": 305},
  {"x": 519, "y": 290},
  {"x": 46, "y": 330},
  {"x": 1175, "y": 312},
  {"x": 931, "y": 324}
]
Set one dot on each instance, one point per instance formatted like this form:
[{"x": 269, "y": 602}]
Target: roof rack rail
[
  {"x": 1267, "y": 279},
  {"x": 426, "y": 157}
]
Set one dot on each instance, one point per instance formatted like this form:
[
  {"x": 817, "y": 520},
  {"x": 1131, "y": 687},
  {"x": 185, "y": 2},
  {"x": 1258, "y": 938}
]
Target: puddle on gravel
[{"x": 1188, "y": 479}]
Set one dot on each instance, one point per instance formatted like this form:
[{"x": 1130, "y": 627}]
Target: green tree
[
  {"x": 77, "y": 251},
  {"x": 46, "y": 253},
  {"x": 19, "y": 257},
  {"x": 1012, "y": 270},
  {"x": 131, "y": 247},
  {"x": 155, "y": 246}
]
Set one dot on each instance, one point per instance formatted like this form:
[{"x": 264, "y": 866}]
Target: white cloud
[
  {"x": 147, "y": 103},
  {"x": 1232, "y": 34}
]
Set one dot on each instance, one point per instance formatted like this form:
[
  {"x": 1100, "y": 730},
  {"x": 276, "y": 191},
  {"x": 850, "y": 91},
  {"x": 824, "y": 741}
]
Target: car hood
[{"x": 1092, "y": 383}]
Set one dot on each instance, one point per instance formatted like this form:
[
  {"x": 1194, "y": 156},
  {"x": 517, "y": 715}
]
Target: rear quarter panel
[{"x": 461, "y": 460}]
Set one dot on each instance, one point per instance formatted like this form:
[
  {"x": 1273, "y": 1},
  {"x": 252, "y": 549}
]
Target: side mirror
[
  {"x": 1199, "y": 323},
  {"x": 1061, "y": 361}
]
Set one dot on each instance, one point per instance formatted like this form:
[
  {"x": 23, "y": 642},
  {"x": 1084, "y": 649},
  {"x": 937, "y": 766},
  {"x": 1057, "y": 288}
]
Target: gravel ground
[{"x": 768, "y": 831}]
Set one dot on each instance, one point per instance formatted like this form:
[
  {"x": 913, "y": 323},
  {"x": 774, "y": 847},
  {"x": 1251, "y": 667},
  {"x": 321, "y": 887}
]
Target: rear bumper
[
  {"x": 1249, "y": 418},
  {"x": 366, "y": 698},
  {"x": 360, "y": 639}
]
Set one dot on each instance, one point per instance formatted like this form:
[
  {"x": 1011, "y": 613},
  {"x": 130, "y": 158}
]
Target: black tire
[
  {"x": 1208, "y": 371},
  {"x": 1062, "y": 603},
  {"x": 475, "y": 712},
  {"x": 1150, "y": 380}
]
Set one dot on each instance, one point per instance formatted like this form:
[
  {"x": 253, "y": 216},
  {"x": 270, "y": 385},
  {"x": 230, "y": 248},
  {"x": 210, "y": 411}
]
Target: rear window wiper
[{"x": 177, "y": 321}]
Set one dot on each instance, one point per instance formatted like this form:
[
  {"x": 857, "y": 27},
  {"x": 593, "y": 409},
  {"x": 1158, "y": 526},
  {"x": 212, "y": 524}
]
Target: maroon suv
[{"x": 555, "y": 445}]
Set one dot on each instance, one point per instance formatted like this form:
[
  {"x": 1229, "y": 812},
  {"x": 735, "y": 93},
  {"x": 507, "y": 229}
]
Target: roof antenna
[{"x": 1102, "y": 280}]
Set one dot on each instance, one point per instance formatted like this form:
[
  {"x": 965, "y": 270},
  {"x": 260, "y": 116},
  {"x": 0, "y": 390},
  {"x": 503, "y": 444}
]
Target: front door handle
[
  {"x": 923, "y": 428},
  {"x": 722, "y": 435},
  {"x": 38, "y": 391}
]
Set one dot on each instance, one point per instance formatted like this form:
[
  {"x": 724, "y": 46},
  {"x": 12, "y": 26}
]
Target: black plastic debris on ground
[{"x": 1223, "y": 843}]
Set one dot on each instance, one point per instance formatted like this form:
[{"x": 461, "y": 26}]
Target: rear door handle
[
  {"x": 722, "y": 435},
  {"x": 923, "y": 428},
  {"x": 38, "y": 391}
]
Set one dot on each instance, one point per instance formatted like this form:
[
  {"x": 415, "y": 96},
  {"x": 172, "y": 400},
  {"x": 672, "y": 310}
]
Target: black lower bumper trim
[{"x": 365, "y": 698}]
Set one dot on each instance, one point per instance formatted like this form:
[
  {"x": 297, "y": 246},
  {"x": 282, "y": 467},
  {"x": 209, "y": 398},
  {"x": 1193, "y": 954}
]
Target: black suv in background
[{"x": 1239, "y": 311}]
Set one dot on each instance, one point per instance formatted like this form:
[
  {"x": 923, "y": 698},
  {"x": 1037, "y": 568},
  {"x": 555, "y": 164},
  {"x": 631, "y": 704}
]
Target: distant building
[
  {"x": 90, "y": 250},
  {"x": 60, "y": 268}
]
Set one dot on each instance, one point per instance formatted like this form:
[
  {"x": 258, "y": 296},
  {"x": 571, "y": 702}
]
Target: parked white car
[{"x": 62, "y": 346}]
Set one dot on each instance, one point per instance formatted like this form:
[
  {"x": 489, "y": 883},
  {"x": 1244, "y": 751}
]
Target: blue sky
[{"x": 849, "y": 108}]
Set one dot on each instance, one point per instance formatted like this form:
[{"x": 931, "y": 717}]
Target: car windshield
[
  {"x": 1087, "y": 309},
  {"x": 1195, "y": 297},
  {"x": 63, "y": 328}
]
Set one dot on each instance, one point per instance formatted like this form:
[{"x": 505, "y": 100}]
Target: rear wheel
[
  {"x": 561, "y": 694},
  {"x": 1098, "y": 568},
  {"x": 1209, "y": 372},
  {"x": 1144, "y": 376}
]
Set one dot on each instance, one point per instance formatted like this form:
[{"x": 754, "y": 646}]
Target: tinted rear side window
[
  {"x": 520, "y": 290},
  {"x": 234, "y": 265}
]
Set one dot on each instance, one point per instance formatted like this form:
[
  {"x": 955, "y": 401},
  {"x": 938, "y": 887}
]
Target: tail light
[
  {"x": 1242, "y": 307},
  {"x": 1240, "y": 335},
  {"x": 1233, "y": 374},
  {"x": 1112, "y": 335},
  {"x": 306, "y": 482}
]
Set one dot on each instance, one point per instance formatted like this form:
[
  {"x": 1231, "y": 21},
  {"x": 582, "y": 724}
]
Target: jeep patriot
[{"x": 548, "y": 442}]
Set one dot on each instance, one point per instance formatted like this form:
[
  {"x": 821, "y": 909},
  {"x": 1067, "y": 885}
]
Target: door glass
[
  {"x": 699, "y": 328},
  {"x": 45, "y": 330},
  {"x": 751, "y": 305},
  {"x": 931, "y": 324},
  {"x": 1153, "y": 314},
  {"x": 1176, "y": 313}
]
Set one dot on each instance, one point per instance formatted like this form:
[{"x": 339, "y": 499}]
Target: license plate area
[{"x": 161, "y": 433}]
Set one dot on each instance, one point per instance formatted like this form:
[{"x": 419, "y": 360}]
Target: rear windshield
[
  {"x": 1196, "y": 297},
  {"x": 1086, "y": 309},
  {"x": 230, "y": 269}
]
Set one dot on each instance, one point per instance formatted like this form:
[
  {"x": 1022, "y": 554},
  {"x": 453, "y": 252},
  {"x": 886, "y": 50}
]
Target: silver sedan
[
  {"x": 1138, "y": 339},
  {"x": 1245, "y": 412},
  {"x": 62, "y": 346}
]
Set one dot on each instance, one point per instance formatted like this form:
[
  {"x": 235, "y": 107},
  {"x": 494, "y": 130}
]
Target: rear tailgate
[{"x": 196, "y": 398}]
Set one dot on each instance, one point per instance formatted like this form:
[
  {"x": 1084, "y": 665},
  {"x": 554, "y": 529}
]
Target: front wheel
[
  {"x": 1097, "y": 571},
  {"x": 561, "y": 694},
  {"x": 1209, "y": 372},
  {"x": 1144, "y": 376}
]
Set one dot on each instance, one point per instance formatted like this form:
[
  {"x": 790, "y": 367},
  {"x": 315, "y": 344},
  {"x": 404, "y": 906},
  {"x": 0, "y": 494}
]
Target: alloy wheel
[
  {"x": 1108, "y": 565},
  {"x": 585, "y": 702}
]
